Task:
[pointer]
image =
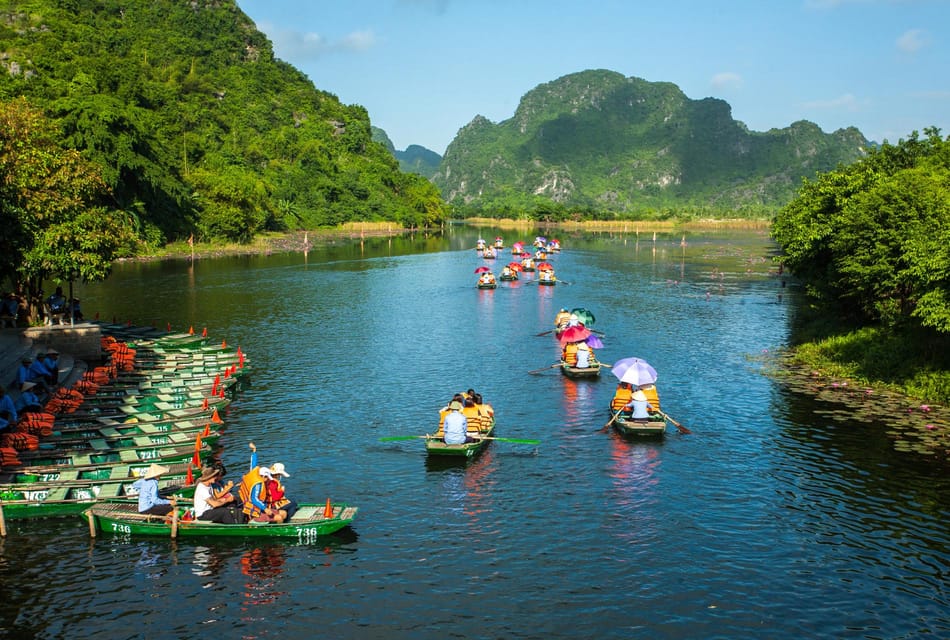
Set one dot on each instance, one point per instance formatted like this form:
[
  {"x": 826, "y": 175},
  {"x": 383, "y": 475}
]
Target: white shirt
[{"x": 202, "y": 495}]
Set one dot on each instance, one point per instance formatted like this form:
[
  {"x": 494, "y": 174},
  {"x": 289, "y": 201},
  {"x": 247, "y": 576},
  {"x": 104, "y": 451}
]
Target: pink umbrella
[
  {"x": 577, "y": 333},
  {"x": 482, "y": 270}
]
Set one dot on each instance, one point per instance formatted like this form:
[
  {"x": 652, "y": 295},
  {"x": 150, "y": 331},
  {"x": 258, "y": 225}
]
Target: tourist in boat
[
  {"x": 584, "y": 356},
  {"x": 487, "y": 278},
  {"x": 561, "y": 320},
  {"x": 653, "y": 396},
  {"x": 455, "y": 427},
  {"x": 28, "y": 402},
  {"x": 569, "y": 354},
  {"x": 214, "y": 501},
  {"x": 40, "y": 373},
  {"x": 622, "y": 396},
  {"x": 276, "y": 494},
  {"x": 546, "y": 275},
  {"x": 147, "y": 486},
  {"x": 639, "y": 406}
]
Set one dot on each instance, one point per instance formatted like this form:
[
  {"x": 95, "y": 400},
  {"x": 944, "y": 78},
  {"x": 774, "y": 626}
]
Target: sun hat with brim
[
  {"x": 27, "y": 386},
  {"x": 155, "y": 470},
  {"x": 52, "y": 352},
  {"x": 208, "y": 473},
  {"x": 639, "y": 396},
  {"x": 455, "y": 405},
  {"x": 278, "y": 470}
]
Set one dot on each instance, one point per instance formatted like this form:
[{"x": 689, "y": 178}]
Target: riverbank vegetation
[{"x": 871, "y": 244}]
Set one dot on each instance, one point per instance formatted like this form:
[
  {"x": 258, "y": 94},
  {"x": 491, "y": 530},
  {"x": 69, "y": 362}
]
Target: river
[{"x": 769, "y": 520}]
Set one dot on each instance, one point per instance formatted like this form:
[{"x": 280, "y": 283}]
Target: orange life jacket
[
  {"x": 622, "y": 396},
  {"x": 248, "y": 482}
]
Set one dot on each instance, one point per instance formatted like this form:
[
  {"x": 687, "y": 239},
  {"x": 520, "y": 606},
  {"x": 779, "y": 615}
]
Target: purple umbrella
[
  {"x": 594, "y": 342},
  {"x": 635, "y": 371}
]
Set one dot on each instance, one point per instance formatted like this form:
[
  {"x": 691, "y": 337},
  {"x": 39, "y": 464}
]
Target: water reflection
[{"x": 263, "y": 568}]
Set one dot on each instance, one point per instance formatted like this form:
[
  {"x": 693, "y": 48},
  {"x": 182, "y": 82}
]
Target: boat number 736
[{"x": 121, "y": 528}]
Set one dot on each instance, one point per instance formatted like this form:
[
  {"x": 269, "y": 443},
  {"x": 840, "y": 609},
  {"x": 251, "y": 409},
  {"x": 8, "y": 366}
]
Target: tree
[
  {"x": 875, "y": 234},
  {"x": 53, "y": 204}
]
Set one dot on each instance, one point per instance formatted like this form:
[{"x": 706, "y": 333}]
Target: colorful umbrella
[
  {"x": 515, "y": 266},
  {"x": 584, "y": 316},
  {"x": 594, "y": 342},
  {"x": 482, "y": 270},
  {"x": 635, "y": 371},
  {"x": 576, "y": 333},
  {"x": 525, "y": 254},
  {"x": 518, "y": 245},
  {"x": 545, "y": 266}
]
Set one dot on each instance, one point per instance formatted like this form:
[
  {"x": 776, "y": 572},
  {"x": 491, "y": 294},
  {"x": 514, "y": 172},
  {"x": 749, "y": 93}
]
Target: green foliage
[
  {"x": 53, "y": 204},
  {"x": 600, "y": 144},
  {"x": 161, "y": 95},
  {"x": 875, "y": 235}
]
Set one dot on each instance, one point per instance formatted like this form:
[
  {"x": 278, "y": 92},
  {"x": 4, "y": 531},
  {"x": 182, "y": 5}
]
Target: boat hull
[
  {"x": 640, "y": 428},
  {"x": 467, "y": 450},
  {"x": 307, "y": 524},
  {"x": 575, "y": 372}
]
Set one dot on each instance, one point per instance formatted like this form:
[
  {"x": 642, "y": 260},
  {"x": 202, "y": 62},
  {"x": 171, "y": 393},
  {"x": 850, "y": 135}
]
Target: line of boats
[
  {"x": 523, "y": 262},
  {"x": 157, "y": 398}
]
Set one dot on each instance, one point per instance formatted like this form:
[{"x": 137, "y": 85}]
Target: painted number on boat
[
  {"x": 307, "y": 535},
  {"x": 121, "y": 528}
]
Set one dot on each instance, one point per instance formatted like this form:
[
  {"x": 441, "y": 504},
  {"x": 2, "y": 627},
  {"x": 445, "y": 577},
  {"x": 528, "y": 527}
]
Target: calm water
[{"x": 767, "y": 522}]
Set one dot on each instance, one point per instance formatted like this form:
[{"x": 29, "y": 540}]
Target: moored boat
[{"x": 308, "y": 523}]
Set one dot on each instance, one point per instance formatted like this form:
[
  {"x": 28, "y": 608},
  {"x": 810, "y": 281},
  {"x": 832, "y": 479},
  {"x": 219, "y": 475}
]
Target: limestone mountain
[
  {"x": 415, "y": 159},
  {"x": 599, "y": 141}
]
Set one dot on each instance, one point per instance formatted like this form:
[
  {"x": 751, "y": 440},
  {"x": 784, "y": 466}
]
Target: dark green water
[{"x": 768, "y": 521}]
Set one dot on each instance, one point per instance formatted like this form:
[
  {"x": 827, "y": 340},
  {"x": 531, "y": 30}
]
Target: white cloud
[
  {"x": 912, "y": 41},
  {"x": 296, "y": 45},
  {"x": 726, "y": 80},
  {"x": 846, "y": 102}
]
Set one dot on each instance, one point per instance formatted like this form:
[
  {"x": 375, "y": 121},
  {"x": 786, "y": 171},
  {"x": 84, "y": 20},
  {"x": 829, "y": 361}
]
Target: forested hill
[
  {"x": 599, "y": 141},
  {"x": 415, "y": 158},
  {"x": 195, "y": 124}
]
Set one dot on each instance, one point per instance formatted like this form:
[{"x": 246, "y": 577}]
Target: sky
[{"x": 423, "y": 69}]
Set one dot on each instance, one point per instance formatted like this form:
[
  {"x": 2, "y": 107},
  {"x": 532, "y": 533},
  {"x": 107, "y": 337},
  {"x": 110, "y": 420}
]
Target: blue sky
[{"x": 424, "y": 68}]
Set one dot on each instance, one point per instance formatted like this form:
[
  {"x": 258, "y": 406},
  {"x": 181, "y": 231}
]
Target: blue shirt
[
  {"x": 148, "y": 494},
  {"x": 639, "y": 409},
  {"x": 455, "y": 428},
  {"x": 6, "y": 404},
  {"x": 38, "y": 370},
  {"x": 26, "y": 399}
]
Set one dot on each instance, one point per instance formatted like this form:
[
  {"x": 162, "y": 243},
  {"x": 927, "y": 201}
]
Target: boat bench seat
[
  {"x": 111, "y": 490},
  {"x": 99, "y": 444},
  {"x": 304, "y": 514},
  {"x": 128, "y": 455}
]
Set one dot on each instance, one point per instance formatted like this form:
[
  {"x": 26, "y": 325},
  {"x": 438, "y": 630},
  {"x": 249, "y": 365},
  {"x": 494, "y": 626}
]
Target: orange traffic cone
[
  {"x": 207, "y": 431},
  {"x": 224, "y": 344},
  {"x": 196, "y": 459},
  {"x": 168, "y": 327},
  {"x": 215, "y": 418},
  {"x": 328, "y": 510},
  {"x": 191, "y": 331},
  {"x": 204, "y": 405},
  {"x": 189, "y": 477},
  {"x": 198, "y": 443},
  {"x": 204, "y": 332}
]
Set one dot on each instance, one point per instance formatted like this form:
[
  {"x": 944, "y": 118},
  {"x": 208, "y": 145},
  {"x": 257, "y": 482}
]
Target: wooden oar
[
  {"x": 545, "y": 368},
  {"x": 394, "y": 438},
  {"x": 544, "y": 333},
  {"x": 676, "y": 424},
  {"x": 515, "y": 440},
  {"x": 612, "y": 420}
]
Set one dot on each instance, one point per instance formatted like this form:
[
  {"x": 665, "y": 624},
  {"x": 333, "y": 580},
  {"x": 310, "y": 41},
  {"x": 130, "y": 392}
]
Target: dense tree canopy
[
  {"x": 875, "y": 235},
  {"x": 53, "y": 205},
  {"x": 194, "y": 125}
]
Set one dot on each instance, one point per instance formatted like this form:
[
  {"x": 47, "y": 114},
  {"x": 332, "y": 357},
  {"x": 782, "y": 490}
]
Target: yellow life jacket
[
  {"x": 570, "y": 354},
  {"x": 652, "y": 396},
  {"x": 474, "y": 420},
  {"x": 622, "y": 397}
]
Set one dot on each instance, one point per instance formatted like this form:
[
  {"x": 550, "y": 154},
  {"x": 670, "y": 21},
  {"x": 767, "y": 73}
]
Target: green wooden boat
[
  {"x": 123, "y": 519},
  {"x": 547, "y": 282},
  {"x": 116, "y": 429},
  {"x": 436, "y": 447},
  {"x": 576, "y": 372},
  {"x": 163, "y": 414},
  {"x": 652, "y": 428},
  {"x": 132, "y": 435},
  {"x": 68, "y": 494},
  {"x": 507, "y": 278},
  {"x": 96, "y": 458}
]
